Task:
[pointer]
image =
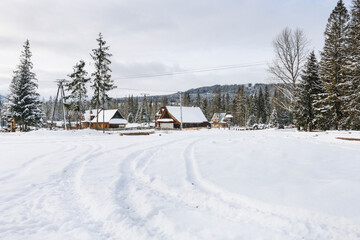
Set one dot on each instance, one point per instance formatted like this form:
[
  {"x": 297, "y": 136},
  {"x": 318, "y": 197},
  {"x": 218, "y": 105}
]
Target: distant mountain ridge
[{"x": 209, "y": 92}]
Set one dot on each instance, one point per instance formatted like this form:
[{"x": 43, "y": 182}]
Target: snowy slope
[{"x": 209, "y": 184}]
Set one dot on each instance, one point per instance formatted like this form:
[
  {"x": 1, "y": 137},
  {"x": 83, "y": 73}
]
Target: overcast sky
[{"x": 157, "y": 36}]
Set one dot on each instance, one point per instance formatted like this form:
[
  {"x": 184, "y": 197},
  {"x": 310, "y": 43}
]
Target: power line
[
  {"x": 163, "y": 74},
  {"x": 191, "y": 71},
  {"x": 143, "y": 90}
]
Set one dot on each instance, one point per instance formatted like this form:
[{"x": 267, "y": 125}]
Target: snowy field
[{"x": 208, "y": 184}]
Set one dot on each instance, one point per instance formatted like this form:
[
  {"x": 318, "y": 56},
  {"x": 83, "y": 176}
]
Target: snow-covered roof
[
  {"x": 109, "y": 114},
  {"x": 189, "y": 114}
]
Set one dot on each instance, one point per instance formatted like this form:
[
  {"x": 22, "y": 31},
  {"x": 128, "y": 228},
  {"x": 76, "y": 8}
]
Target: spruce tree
[
  {"x": 142, "y": 114},
  {"x": 205, "y": 107},
  {"x": 77, "y": 88},
  {"x": 352, "y": 100},
  {"x": 239, "y": 107},
  {"x": 186, "y": 99},
  {"x": 261, "y": 110},
  {"x": 164, "y": 101},
  {"x": 249, "y": 108},
  {"x": 23, "y": 101},
  {"x": 273, "y": 118},
  {"x": 216, "y": 106},
  {"x": 307, "y": 90},
  {"x": 150, "y": 108},
  {"x": 332, "y": 64},
  {"x": 267, "y": 103},
  {"x": 102, "y": 82},
  {"x": 198, "y": 99},
  {"x": 254, "y": 108},
  {"x": 227, "y": 103}
]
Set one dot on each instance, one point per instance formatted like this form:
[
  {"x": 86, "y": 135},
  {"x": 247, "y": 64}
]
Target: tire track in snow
[
  {"x": 297, "y": 224},
  {"x": 101, "y": 225},
  {"x": 23, "y": 167},
  {"x": 136, "y": 197},
  {"x": 209, "y": 198},
  {"x": 34, "y": 206}
]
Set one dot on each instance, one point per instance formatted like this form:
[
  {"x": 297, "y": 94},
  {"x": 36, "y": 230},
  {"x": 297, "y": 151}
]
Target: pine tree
[
  {"x": 216, "y": 106},
  {"x": 274, "y": 119},
  {"x": 186, "y": 100},
  {"x": 254, "y": 108},
  {"x": 198, "y": 99},
  {"x": 352, "y": 109},
  {"x": 251, "y": 120},
  {"x": 150, "y": 108},
  {"x": 23, "y": 101},
  {"x": 284, "y": 115},
  {"x": 102, "y": 83},
  {"x": 332, "y": 64},
  {"x": 205, "y": 107},
  {"x": 164, "y": 101},
  {"x": 238, "y": 108},
  {"x": 77, "y": 88},
  {"x": 142, "y": 113},
  {"x": 307, "y": 90},
  {"x": 261, "y": 110},
  {"x": 249, "y": 108},
  {"x": 267, "y": 103},
  {"x": 227, "y": 103}
]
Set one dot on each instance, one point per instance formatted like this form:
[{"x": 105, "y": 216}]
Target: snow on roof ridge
[
  {"x": 109, "y": 113},
  {"x": 189, "y": 114}
]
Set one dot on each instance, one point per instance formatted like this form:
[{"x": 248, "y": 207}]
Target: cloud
[{"x": 154, "y": 36}]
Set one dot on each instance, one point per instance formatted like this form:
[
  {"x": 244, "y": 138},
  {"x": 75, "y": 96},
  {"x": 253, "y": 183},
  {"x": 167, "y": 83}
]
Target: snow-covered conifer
[
  {"x": 102, "y": 82},
  {"x": 23, "y": 100},
  {"x": 352, "y": 98},
  {"x": 238, "y": 107},
  {"x": 273, "y": 119},
  {"x": 216, "y": 106},
  {"x": 198, "y": 99},
  {"x": 77, "y": 88},
  {"x": 332, "y": 64},
  {"x": 306, "y": 92},
  {"x": 261, "y": 108}
]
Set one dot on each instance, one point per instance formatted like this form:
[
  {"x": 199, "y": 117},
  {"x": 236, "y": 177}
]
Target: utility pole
[
  {"x": 1, "y": 108},
  {"x": 103, "y": 111},
  {"x": 60, "y": 89},
  {"x": 181, "y": 118}
]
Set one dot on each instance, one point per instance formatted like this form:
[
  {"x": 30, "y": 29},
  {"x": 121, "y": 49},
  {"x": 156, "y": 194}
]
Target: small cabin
[
  {"x": 109, "y": 119},
  {"x": 221, "y": 120},
  {"x": 171, "y": 116}
]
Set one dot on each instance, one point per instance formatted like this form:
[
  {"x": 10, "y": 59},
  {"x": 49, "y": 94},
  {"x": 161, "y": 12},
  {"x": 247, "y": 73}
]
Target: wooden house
[
  {"x": 221, "y": 120},
  {"x": 170, "y": 117},
  {"x": 87, "y": 116},
  {"x": 109, "y": 119}
]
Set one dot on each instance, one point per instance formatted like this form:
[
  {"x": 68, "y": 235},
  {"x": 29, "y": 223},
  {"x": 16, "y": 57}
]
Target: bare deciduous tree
[{"x": 290, "y": 49}]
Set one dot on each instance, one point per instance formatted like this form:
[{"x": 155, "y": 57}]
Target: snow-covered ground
[{"x": 208, "y": 184}]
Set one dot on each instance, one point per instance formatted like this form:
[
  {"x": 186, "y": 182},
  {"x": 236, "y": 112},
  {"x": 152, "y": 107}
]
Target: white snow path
[{"x": 87, "y": 185}]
